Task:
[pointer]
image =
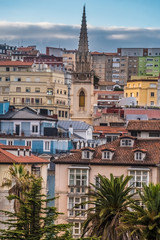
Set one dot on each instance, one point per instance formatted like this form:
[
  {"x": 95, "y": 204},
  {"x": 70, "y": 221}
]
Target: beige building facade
[{"x": 38, "y": 88}]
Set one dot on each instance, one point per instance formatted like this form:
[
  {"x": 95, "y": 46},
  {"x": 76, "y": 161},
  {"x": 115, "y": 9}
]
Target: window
[
  {"x": 126, "y": 142},
  {"x": 138, "y": 156},
  {"x": 50, "y": 91},
  {"x": 17, "y": 79},
  {"x": 106, "y": 155},
  {"x": 7, "y": 79},
  {"x": 65, "y": 92},
  {"x": 0, "y": 79},
  {"x": 78, "y": 177},
  {"x": 62, "y": 113},
  {"x": 10, "y": 142},
  {"x": 37, "y": 100},
  {"x": 152, "y": 103},
  {"x": 97, "y": 181},
  {"x": 7, "y": 69},
  {"x": 66, "y": 114},
  {"x": 76, "y": 230},
  {"x": 36, "y": 171},
  {"x": 49, "y": 101},
  {"x": 86, "y": 154},
  {"x": 28, "y": 100},
  {"x": 154, "y": 134},
  {"x": 75, "y": 209},
  {"x": 82, "y": 99},
  {"x": 28, "y": 143},
  {"x": 18, "y": 89},
  {"x": 137, "y": 94},
  {"x": 34, "y": 128},
  {"x": 28, "y": 89},
  {"x": 152, "y": 94},
  {"x": 59, "y": 113},
  {"x": 46, "y": 146},
  {"x": 37, "y": 90},
  {"x": 139, "y": 177}
]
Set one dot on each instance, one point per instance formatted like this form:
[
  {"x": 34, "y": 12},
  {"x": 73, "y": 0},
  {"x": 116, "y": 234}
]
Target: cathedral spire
[{"x": 83, "y": 39}]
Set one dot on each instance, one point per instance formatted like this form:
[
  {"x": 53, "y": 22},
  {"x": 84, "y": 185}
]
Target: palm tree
[
  {"x": 144, "y": 220},
  {"x": 18, "y": 182},
  {"x": 109, "y": 201}
]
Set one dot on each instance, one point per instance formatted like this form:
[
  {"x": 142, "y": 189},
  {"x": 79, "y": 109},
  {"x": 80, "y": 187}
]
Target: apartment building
[
  {"x": 127, "y": 155},
  {"x": 144, "y": 89},
  {"x": 25, "y": 83}
]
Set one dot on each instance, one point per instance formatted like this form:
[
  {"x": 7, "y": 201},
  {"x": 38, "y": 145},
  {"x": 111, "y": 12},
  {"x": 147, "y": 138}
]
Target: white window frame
[
  {"x": 10, "y": 141},
  {"x": 74, "y": 228},
  {"x": 126, "y": 142},
  {"x": 107, "y": 155},
  {"x": 76, "y": 210},
  {"x": 27, "y": 144},
  {"x": 138, "y": 156},
  {"x": 138, "y": 177},
  {"x": 74, "y": 172},
  {"x": 44, "y": 146}
]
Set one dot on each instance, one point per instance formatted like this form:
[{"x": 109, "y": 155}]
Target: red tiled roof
[
  {"x": 108, "y": 129},
  {"x": 122, "y": 156},
  {"x": 7, "y": 157},
  {"x": 15, "y": 63},
  {"x": 10, "y": 147},
  {"x": 144, "y": 125},
  {"x": 151, "y": 113}
]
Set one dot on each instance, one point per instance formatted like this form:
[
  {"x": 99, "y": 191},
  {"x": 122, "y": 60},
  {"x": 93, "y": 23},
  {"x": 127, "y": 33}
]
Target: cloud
[{"x": 103, "y": 39}]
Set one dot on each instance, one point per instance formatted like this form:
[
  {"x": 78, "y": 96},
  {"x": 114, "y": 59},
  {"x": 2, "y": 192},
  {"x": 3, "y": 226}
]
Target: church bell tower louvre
[{"x": 82, "y": 89}]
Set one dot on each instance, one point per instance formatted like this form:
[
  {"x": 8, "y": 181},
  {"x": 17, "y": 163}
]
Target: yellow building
[
  {"x": 144, "y": 89},
  {"x": 34, "y": 85}
]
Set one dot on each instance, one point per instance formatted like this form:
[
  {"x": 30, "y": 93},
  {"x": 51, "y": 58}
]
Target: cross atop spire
[{"x": 83, "y": 39}]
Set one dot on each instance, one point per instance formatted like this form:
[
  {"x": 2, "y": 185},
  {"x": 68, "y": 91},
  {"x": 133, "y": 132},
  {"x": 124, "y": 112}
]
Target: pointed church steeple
[
  {"x": 83, "y": 56},
  {"x": 83, "y": 39}
]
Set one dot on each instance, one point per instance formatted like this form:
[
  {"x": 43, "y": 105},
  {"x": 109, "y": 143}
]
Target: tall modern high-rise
[{"x": 82, "y": 97}]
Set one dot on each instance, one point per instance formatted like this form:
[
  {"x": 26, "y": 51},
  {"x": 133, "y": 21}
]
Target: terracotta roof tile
[
  {"x": 7, "y": 157},
  {"x": 144, "y": 125},
  {"x": 15, "y": 63},
  {"x": 122, "y": 155},
  {"x": 108, "y": 129}
]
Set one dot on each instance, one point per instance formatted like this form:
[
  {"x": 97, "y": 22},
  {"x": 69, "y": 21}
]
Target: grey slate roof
[
  {"x": 77, "y": 125},
  {"x": 25, "y": 113}
]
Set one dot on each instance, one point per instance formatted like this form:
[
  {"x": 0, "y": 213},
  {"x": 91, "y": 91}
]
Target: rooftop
[
  {"x": 122, "y": 155},
  {"x": 144, "y": 125}
]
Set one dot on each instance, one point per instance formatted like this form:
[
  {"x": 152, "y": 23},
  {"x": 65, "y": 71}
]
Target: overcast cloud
[{"x": 100, "y": 39}]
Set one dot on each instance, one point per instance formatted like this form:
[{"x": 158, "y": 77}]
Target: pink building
[{"x": 73, "y": 174}]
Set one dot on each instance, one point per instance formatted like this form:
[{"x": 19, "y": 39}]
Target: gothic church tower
[{"x": 82, "y": 89}]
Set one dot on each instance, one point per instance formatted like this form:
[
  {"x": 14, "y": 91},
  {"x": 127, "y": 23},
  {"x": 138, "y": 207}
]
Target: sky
[{"x": 56, "y": 23}]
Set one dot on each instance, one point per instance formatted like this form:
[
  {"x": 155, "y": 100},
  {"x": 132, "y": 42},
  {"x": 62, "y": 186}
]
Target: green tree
[
  {"x": 144, "y": 219},
  {"x": 109, "y": 201},
  {"x": 33, "y": 220},
  {"x": 18, "y": 182}
]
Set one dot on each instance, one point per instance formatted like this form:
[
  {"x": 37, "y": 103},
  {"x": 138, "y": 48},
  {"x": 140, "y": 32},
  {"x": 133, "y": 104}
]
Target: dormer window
[
  {"x": 107, "y": 154},
  {"x": 139, "y": 154},
  {"x": 87, "y": 153},
  {"x": 126, "y": 142}
]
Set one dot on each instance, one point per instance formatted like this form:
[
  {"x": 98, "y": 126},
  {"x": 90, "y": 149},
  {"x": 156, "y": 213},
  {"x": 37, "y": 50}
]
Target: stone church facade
[{"x": 82, "y": 89}]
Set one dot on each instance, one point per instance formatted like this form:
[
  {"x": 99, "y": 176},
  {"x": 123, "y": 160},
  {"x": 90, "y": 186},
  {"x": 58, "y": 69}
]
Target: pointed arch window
[{"x": 82, "y": 99}]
